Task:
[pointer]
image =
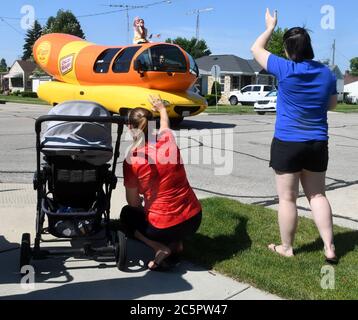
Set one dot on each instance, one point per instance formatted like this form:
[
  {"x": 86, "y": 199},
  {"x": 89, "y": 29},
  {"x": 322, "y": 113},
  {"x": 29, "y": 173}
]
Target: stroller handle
[{"x": 114, "y": 119}]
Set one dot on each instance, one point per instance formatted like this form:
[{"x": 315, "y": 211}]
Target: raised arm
[
  {"x": 159, "y": 106},
  {"x": 258, "y": 49}
]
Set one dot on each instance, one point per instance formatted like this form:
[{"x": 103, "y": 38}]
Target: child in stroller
[{"x": 74, "y": 185}]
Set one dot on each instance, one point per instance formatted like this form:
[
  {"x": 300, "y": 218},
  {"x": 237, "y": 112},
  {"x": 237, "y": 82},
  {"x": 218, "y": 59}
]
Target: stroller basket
[{"x": 68, "y": 222}]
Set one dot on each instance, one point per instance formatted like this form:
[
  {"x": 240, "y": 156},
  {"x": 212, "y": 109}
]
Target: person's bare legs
[
  {"x": 314, "y": 185},
  {"x": 287, "y": 188},
  {"x": 161, "y": 250}
]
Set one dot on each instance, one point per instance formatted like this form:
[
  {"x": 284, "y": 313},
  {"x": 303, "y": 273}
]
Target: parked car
[
  {"x": 249, "y": 94},
  {"x": 267, "y": 103},
  {"x": 352, "y": 98}
]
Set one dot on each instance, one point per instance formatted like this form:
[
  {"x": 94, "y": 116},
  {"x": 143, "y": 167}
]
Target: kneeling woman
[{"x": 154, "y": 169}]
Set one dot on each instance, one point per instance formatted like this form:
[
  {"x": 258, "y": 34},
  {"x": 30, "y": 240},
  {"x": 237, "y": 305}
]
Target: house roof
[
  {"x": 335, "y": 69},
  {"x": 348, "y": 78},
  {"x": 26, "y": 66},
  {"x": 228, "y": 63}
]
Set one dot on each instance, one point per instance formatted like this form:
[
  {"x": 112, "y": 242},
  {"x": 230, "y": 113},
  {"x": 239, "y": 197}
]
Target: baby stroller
[{"x": 74, "y": 184}]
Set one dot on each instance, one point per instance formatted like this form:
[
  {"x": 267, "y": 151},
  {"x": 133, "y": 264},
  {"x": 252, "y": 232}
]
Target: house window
[
  {"x": 235, "y": 83},
  {"x": 222, "y": 83},
  {"x": 17, "y": 82}
]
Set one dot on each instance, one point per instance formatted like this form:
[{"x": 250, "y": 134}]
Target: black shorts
[
  {"x": 135, "y": 219},
  {"x": 291, "y": 157}
]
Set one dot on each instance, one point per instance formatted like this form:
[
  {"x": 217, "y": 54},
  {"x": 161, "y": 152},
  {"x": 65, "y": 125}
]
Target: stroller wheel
[
  {"x": 25, "y": 251},
  {"x": 121, "y": 250}
]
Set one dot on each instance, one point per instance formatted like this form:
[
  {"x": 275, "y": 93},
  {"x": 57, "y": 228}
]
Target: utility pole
[
  {"x": 197, "y": 12},
  {"x": 334, "y": 52}
]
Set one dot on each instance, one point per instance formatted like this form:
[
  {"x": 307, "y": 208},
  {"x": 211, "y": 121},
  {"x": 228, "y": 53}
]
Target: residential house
[
  {"x": 351, "y": 88},
  {"x": 19, "y": 75},
  {"x": 340, "y": 82},
  {"x": 39, "y": 77},
  {"x": 349, "y": 78},
  {"x": 236, "y": 73}
]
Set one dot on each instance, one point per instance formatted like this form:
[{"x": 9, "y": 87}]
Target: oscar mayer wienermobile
[{"x": 119, "y": 78}]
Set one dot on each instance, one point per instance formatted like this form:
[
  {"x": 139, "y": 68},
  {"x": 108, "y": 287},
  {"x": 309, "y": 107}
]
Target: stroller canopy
[{"x": 85, "y": 141}]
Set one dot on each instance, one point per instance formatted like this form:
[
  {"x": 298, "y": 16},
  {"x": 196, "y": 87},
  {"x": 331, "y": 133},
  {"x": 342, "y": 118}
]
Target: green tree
[
  {"x": 3, "y": 65},
  {"x": 195, "y": 48},
  {"x": 64, "y": 22},
  {"x": 275, "y": 45},
  {"x": 31, "y": 36},
  {"x": 354, "y": 66}
]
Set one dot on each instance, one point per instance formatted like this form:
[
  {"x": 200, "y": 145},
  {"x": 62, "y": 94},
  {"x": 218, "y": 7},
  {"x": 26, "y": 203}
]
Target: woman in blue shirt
[{"x": 299, "y": 151}]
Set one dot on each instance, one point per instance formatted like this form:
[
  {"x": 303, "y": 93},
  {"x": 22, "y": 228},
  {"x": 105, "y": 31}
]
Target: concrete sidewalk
[{"x": 69, "y": 278}]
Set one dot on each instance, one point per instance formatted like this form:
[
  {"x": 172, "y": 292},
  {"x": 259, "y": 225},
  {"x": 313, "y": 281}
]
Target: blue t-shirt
[{"x": 304, "y": 91}]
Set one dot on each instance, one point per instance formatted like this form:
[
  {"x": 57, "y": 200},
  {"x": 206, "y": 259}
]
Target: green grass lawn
[
  {"x": 20, "y": 99},
  {"x": 231, "y": 109},
  {"x": 233, "y": 240},
  {"x": 346, "y": 108}
]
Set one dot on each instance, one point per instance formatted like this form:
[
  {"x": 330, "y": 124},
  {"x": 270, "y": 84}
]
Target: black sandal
[
  {"x": 159, "y": 267},
  {"x": 333, "y": 261}
]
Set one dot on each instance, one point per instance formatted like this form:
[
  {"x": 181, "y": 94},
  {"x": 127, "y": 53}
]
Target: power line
[
  {"x": 11, "y": 26},
  {"x": 349, "y": 60},
  {"x": 124, "y": 8}
]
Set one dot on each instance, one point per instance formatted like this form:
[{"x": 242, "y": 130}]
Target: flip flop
[
  {"x": 333, "y": 261},
  {"x": 159, "y": 262},
  {"x": 273, "y": 247},
  {"x": 159, "y": 267}
]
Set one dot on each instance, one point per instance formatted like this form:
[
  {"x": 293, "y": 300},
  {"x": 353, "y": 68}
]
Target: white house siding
[
  {"x": 340, "y": 89},
  {"x": 351, "y": 88}
]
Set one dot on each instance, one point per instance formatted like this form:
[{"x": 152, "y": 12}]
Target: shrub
[
  {"x": 15, "y": 93},
  {"x": 211, "y": 99},
  {"x": 29, "y": 94}
]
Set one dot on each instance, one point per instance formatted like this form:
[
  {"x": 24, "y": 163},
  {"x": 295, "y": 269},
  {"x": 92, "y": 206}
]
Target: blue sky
[{"x": 230, "y": 28}]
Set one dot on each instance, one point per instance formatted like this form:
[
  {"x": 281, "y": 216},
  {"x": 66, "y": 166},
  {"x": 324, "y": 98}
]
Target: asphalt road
[
  {"x": 204, "y": 147},
  {"x": 243, "y": 151}
]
